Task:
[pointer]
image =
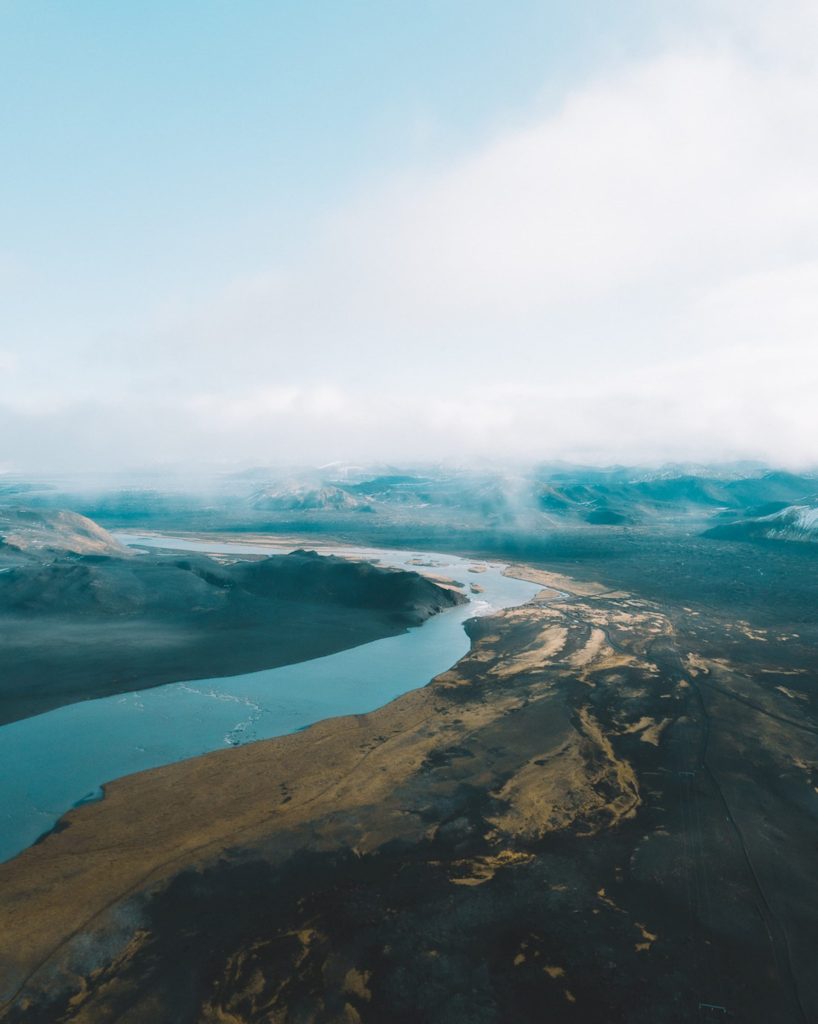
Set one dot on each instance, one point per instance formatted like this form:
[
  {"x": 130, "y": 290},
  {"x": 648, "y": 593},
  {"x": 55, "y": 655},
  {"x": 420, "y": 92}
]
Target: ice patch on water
[
  {"x": 243, "y": 731},
  {"x": 482, "y": 608}
]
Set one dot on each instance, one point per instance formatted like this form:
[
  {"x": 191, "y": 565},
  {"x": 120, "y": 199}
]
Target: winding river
[{"x": 55, "y": 761}]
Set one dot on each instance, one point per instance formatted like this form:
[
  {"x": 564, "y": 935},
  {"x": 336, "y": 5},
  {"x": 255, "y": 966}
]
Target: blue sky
[
  {"x": 153, "y": 143},
  {"x": 268, "y": 230}
]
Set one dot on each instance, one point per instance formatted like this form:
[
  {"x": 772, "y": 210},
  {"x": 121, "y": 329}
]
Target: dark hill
[{"x": 74, "y": 627}]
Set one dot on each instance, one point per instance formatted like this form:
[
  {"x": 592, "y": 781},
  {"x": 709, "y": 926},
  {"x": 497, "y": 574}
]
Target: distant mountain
[
  {"x": 480, "y": 495},
  {"x": 488, "y": 495},
  {"x": 528, "y": 499},
  {"x": 793, "y": 522},
  {"x": 39, "y": 531},
  {"x": 616, "y": 497},
  {"x": 300, "y": 498}
]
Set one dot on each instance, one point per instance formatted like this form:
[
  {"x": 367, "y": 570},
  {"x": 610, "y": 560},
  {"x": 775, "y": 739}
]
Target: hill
[
  {"x": 791, "y": 523},
  {"x": 76, "y": 626},
  {"x": 38, "y": 531}
]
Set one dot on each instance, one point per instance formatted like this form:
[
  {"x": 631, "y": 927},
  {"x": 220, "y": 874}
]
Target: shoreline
[
  {"x": 78, "y": 829},
  {"x": 274, "y": 702}
]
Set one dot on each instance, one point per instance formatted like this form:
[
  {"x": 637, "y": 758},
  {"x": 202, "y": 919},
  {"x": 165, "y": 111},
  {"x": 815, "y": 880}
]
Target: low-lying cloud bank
[{"x": 737, "y": 404}]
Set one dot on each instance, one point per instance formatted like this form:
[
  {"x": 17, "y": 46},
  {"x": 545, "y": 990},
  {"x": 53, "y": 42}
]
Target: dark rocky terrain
[{"x": 607, "y": 812}]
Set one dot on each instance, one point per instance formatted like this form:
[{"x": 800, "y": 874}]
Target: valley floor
[{"x": 607, "y": 811}]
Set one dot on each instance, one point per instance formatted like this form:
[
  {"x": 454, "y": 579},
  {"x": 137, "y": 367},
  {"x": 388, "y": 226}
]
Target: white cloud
[
  {"x": 683, "y": 171},
  {"x": 8, "y": 361},
  {"x": 738, "y": 403},
  {"x": 632, "y": 275}
]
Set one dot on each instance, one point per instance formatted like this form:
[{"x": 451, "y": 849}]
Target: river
[{"x": 52, "y": 762}]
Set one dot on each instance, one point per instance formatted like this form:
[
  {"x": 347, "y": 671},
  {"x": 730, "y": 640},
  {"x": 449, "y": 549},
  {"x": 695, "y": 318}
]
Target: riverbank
[{"x": 91, "y": 742}]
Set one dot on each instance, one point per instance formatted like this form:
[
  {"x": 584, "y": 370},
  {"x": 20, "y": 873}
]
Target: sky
[{"x": 246, "y": 232}]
